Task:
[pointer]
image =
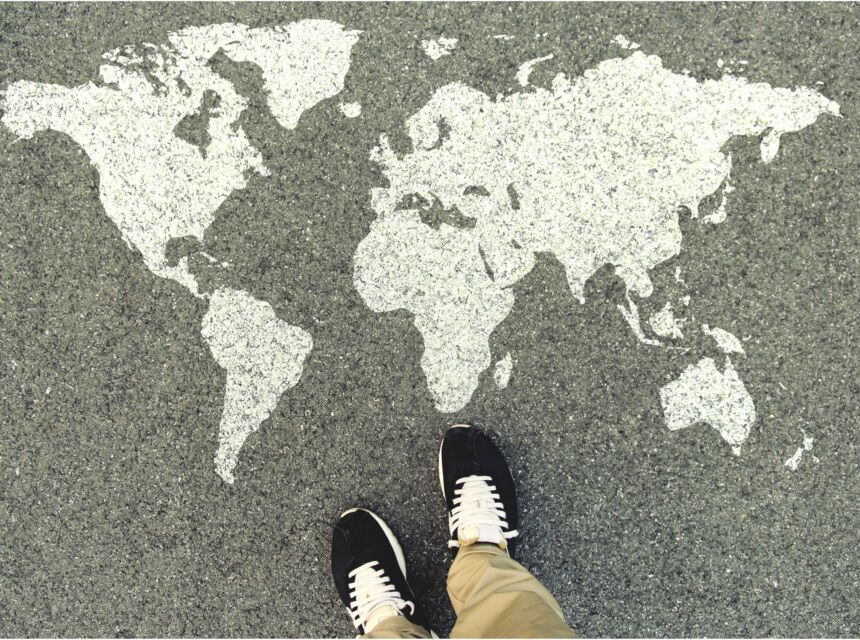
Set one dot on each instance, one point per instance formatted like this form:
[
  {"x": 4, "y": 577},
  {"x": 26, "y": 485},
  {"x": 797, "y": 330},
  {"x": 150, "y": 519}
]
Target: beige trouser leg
[
  {"x": 496, "y": 597},
  {"x": 397, "y": 627},
  {"x": 493, "y": 597}
]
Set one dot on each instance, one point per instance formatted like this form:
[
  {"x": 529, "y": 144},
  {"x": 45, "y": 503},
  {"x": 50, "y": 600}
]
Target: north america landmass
[
  {"x": 592, "y": 170},
  {"x": 157, "y": 186}
]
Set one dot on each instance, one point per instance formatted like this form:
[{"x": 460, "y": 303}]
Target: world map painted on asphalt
[{"x": 591, "y": 170}]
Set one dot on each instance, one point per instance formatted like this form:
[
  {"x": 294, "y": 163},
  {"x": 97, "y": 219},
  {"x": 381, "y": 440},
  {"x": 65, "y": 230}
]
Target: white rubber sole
[
  {"x": 392, "y": 539},
  {"x": 441, "y": 478}
]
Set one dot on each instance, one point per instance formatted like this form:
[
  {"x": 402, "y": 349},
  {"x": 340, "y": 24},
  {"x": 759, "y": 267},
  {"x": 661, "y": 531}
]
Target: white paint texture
[
  {"x": 630, "y": 313},
  {"x": 502, "y": 372},
  {"x": 263, "y": 357},
  {"x": 350, "y": 109},
  {"x": 303, "y": 63},
  {"x": 769, "y": 145},
  {"x": 703, "y": 394},
  {"x": 623, "y": 42},
  {"x": 794, "y": 461},
  {"x": 665, "y": 324},
  {"x": 524, "y": 71},
  {"x": 439, "y": 47},
  {"x": 439, "y": 276},
  {"x": 156, "y": 186},
  {"x": 719, "y": 215},
  {"x": 591, "y": 170},
  {"x": 726, "y": 341},
  {"x": 153, "y": 185}
]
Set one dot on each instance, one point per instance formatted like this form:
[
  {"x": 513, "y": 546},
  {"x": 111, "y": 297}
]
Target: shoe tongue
[{"x": 380, "y": 613}]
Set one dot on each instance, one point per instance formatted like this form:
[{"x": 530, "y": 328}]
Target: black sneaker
[
  {"x": 370, "y": 571},
  {"x": 479, "y": 489}
]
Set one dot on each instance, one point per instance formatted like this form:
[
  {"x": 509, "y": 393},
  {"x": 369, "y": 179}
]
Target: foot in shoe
[
  {"x": 478, "y": 488},
  {"x": 369, "y": 570}
]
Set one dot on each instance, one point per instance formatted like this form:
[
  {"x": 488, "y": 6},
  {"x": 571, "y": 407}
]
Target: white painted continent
[
  {"x": 703, "y": 394},
  {"x": 263, "y": 357},
  {"x": 726, "y": 341},
  {"x": 439, "y": 47},
  {"x": 156, "y": 186},
  {"x": 502, "y": 371},
  {"x": 439, "y": 276},
  {"x": 794, "y": 461},
  {"x": 665, "y": 324},
  {"x": 592, "y": 170}
]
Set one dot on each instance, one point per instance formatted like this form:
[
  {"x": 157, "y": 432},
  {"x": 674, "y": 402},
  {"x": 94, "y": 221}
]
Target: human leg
[{"x": 492, "y": 594}]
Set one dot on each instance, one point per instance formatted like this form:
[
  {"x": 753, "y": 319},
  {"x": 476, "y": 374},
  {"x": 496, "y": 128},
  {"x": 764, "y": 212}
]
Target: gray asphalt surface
[{"x": 112, "y": 520}]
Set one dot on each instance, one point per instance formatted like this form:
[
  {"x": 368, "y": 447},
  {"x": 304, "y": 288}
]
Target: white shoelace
[
  {"x": 478, "y": 514},
  {"x": 370, "y": 589}
]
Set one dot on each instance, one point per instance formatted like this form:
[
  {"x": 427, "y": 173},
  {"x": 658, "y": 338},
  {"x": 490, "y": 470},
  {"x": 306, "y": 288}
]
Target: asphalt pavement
[{"x": 113, "y": 521}]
